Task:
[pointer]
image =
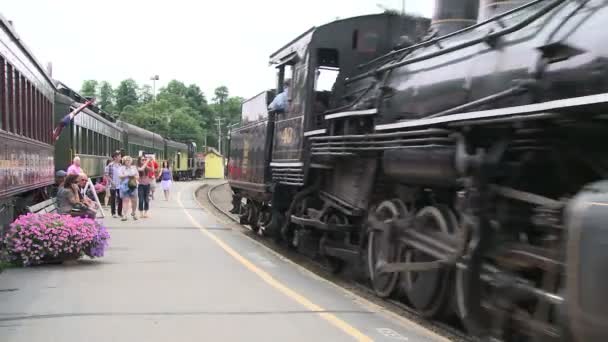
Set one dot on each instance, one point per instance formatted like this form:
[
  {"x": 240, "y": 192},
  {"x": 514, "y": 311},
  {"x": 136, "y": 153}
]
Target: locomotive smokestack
[
  {"x": 490, "y": 8},
  {"x": 454, "y": 15}
]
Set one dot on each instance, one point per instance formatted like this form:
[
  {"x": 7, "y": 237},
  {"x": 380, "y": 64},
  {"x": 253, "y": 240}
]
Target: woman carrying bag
[{"x": 129, "y": 177}]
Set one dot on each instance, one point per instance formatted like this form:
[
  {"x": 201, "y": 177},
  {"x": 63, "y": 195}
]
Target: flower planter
[{"x": 35, "y": 239}]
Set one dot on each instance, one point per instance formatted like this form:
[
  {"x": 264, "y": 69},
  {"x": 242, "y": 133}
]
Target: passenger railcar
[
  {"x": 26, "y": 123},
  {"x": 93, "y": 135},
  {"x": 137, "y": 139}
]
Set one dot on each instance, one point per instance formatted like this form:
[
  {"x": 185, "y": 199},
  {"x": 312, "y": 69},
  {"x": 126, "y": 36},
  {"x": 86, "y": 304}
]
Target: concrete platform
[{"x": 184, "y": 275}]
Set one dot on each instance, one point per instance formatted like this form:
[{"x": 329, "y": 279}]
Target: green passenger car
[
  {"x": 92, "y": 136},
  {"x": 138, "y": 140}
]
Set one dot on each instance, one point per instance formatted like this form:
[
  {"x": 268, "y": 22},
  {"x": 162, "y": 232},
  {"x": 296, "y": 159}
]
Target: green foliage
[
  {"x": 181, "y": 112},
  {"x": 106, "y": 97},
  {"x": 145, "y": 94},
  {"x": 127, "y": 94},
  {"x": 89, "y": 88}
]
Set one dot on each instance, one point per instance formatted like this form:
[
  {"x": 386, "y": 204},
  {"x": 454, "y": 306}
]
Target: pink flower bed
[{"x": 39, "y": 238}]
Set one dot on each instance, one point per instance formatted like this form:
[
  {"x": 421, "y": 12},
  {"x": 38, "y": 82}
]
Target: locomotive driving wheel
[
  {"x": 427, "y": 291},
  {"x": 381, "y": 246}
]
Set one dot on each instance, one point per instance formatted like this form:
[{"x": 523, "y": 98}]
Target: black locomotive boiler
[{"x": 462, "y": 169}]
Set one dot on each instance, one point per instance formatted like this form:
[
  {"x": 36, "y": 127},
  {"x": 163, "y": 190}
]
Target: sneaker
[
  {"x": 114, "y": 216},
  {"x": 134, "y": 217},
  {"x": 124, "y": 218}
]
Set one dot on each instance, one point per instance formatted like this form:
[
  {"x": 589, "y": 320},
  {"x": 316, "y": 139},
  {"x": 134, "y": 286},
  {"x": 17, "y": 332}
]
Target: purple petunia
[{"x": 37, "y": 238}]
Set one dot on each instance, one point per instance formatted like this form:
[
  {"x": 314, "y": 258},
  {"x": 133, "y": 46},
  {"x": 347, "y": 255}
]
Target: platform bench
[{"x": 48, "y": 206}]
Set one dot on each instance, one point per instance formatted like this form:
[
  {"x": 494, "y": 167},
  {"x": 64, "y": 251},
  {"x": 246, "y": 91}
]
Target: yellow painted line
[{"x": 331, "y": 318}]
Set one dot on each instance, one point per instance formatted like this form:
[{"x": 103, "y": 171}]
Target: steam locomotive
[{"x": 457, "y": 163}]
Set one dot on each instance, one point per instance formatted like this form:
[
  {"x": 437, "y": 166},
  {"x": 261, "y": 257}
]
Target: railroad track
[{"x": 362, "y": 290}]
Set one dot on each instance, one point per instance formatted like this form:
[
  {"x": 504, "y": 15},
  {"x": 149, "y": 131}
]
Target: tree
[
  {"x": 221, "y": 95},
  {"x": 145, "y": 95},
  {"x": 195, "y": 97},
  {"x": 106, "y": 96},
  {"x": 127, "y": 94},
  {"x": 89, "y": 88}
]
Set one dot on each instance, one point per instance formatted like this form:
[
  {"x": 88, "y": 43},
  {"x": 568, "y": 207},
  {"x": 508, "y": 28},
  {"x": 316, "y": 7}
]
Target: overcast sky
[{"x": 208, "y": 42}]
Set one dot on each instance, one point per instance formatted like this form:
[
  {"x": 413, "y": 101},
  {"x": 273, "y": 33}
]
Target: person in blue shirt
[{"x": 280, "y": 102}]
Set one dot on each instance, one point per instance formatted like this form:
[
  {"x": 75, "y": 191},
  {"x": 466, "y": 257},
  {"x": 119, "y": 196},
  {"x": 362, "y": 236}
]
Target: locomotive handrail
[
  {"x": 438, "y": 39},
  {"x": 486, "y": 38}
]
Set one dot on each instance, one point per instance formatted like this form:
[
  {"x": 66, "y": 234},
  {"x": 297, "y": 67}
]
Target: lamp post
[{"x": 154, "y": 79}]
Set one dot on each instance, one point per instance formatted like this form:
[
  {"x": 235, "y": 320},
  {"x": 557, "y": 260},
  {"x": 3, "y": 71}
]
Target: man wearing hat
[{"x": 59, "y": 179}]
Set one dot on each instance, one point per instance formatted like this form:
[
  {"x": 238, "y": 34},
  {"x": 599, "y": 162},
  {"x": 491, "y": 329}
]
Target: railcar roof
[
  {"x": 176, "y": 144},
  {"x": 135, "y": 130},
  {"x": 6, "y": 26}
]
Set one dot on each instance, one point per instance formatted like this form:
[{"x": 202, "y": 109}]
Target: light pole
[
  {"x": 154, "y": 79},
  {"x": 219, "y": 134}
]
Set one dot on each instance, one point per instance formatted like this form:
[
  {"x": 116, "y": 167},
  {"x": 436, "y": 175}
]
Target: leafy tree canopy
[{"x": 181, "y": 112}]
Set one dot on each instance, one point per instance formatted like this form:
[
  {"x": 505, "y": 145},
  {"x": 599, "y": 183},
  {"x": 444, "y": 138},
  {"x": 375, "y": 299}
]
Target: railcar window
[
  {"x": 10, "y": 86},
  {"x": 85, "y": 140},
  {"x": 19, "y": 94},
  {"x": 23, "y": 104},
  {"x": 3, "y": 112},
  {"x": 29, "y": 105},
  {"x": 39, "y": 116}
]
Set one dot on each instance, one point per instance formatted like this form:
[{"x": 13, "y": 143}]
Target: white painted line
[{"x": 373, "y": 307}]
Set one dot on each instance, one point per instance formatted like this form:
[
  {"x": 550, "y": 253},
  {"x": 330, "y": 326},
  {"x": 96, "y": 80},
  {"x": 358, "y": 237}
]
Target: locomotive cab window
[{"x": 326, "y": 75}]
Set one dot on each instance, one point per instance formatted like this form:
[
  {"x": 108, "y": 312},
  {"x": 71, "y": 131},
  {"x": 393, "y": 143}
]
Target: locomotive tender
[{"x": 461, "y": 170}]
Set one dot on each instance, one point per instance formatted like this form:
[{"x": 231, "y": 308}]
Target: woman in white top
[{"x": 129, "y": 177}]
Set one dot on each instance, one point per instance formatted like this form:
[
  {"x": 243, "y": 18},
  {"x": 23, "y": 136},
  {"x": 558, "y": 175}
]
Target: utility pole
[
  {"x": 219, "y": 134},
  {"x": 402, "y": 7},
  {"x": 154, "y": 79}
]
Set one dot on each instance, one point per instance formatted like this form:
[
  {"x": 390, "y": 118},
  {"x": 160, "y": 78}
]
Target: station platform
[{"x": 184, "y": 275}]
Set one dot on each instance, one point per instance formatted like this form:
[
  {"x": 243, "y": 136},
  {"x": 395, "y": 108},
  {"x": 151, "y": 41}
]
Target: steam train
[
  {"x": 30, "y": 103},
  {"x": 457, "y": 164}
]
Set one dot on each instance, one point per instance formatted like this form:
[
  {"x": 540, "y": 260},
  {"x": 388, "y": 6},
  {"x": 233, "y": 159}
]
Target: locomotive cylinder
[
  {"x": 454, "y": 15},
  {"x": 422, "y": 166},
  {"x": 490, "y": 8}
]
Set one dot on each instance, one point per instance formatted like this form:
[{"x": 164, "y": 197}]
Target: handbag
[{"x": 132, "y": 184}]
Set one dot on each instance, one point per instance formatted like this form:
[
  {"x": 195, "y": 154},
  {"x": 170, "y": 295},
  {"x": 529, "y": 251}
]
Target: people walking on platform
[
  {"x": 75, "y": 168},
  {"x": 166, "y": 179},
  {"x": 153, "y": 174},
  {"x": 128, "y": 187},
  {"x": 143, "y": 167},
  {"x": 112, "y": 173}
]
